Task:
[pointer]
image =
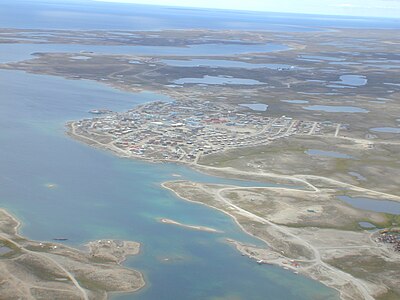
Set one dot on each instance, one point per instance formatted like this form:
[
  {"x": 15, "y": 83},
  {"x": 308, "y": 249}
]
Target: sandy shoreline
[
  {"x": 316, "y": 262},
  {"x": 275, "y": 258},
  {"x": 294, "y": 42},
  {"x": 299, "y": 179},
  {"x": 99, "y": 266},
  {"x": 215, "y": 208},
  {"x": 309, "y": 267},
  {"x": 17, "y": 221},
  {"x": 194, "y": 227}
]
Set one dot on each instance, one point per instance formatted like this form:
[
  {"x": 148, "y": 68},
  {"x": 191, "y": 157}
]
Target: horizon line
[{"x": 248, "y": 10}]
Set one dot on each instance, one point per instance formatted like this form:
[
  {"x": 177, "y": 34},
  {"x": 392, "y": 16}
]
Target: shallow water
[{"x": 59, "y": 187}]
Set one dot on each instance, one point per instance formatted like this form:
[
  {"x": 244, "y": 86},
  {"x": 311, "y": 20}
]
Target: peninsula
[
  {"x": 315, "y": 118},
  {"x": 45, "y": 270}
]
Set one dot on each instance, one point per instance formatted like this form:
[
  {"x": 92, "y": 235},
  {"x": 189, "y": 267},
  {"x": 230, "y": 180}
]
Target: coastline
[
  {"x": 278, "y": 261},
  {"x": 314, "y": 183},
  {"x": 78, "y": 272},
  {"x": 232, "y": 173},
  {"x": 19, "y": 223},
  {"x": 212, "y": 207},
  {"x": 313, "y": 267},
  {"x": 193, "y": 227},
  {"x": 234, "y": 218},
  {"x": 337, "y": 279}
]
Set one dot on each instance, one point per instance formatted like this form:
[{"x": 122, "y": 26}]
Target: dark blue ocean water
[{"x": 85, "y": 14}]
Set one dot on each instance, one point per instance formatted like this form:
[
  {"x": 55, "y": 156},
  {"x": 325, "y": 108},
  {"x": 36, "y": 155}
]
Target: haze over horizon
[{"x": 357, "y": 8}]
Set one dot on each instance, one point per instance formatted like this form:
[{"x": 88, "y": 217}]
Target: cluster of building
[
  {"x": 390, "y": 237},
  {"x": 183, "y": 131}
]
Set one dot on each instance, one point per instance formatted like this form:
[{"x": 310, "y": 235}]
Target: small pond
[
  {"x": 376, "y": 205},
  {"x": 255, "y": 106},
  {"x": 316, "y": 152},
  {"x": 295, "y": 101},
  {"x": 218, "y": 80},
  {"x": 336, "y": 109},
  {"x": 367, "y": 225},
  {"x": 353, "y": 80},
  {"x": 358, "y": 176},
  {"x": 223, "y": 63},
  {"x": 386, "y": 129}
]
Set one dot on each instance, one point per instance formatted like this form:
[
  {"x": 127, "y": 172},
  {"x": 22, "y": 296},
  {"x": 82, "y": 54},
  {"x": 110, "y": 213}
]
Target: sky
[{"x": 365, "y": 8}]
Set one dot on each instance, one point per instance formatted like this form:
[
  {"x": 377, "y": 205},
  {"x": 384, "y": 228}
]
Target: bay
[{"x": 60, "y": 187}]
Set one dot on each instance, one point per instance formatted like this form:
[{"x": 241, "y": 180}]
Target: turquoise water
[{"x": 98, "y": 195}]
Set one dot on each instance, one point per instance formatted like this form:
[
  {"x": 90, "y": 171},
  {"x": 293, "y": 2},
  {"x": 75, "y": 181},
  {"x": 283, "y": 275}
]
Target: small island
[{"x": 46, "y": 270}]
